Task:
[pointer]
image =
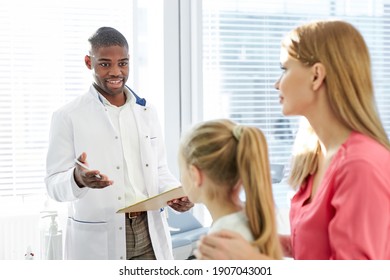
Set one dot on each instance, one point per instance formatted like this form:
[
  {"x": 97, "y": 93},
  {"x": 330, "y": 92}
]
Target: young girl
[{"x": 216, "y": 159}]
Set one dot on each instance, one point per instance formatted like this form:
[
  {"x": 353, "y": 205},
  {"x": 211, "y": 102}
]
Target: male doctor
[{"x": 117, "y": 135}]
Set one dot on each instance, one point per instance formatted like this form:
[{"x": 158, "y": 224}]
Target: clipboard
[{"x": 155, "y": 202}]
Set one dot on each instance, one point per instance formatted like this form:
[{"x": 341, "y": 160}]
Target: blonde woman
[
  {"x": 341, "y": 164},
  {"x": 216, "y": 159}
]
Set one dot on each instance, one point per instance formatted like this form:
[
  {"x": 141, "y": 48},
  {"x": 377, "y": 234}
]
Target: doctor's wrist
[{"x": 77, "y": 180}]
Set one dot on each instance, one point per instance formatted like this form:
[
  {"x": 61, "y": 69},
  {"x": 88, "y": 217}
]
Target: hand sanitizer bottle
[{"x": 53, "y": 240}]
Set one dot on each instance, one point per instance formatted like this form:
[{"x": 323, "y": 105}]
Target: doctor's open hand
[{"x": 86, "y": 177}]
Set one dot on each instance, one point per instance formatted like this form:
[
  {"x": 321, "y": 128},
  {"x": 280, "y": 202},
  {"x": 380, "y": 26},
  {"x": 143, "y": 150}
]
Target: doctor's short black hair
[{"x": 107, "y": 37}]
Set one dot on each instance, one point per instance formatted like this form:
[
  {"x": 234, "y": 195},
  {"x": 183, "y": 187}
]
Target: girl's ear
[
  {"x": 237, "y": 188},
  {"x": 238, "y": 185},
  {"x": 87, "y": 60},
  {"x": 319, "y": 75},
  {"x": 196, "y": 175}
]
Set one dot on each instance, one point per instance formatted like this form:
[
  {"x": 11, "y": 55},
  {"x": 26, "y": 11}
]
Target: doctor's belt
[{"x": 135, "y": 215}]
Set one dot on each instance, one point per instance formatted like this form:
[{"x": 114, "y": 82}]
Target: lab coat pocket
[
  {"x": 153, "y": 141},
  {"x": 87, "y": 241},
  {"x": 155, "y": 148}
]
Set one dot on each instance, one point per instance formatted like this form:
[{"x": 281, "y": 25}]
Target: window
[
  {"x": 42, "y": 48},
  {"x": 241, "y": 45}
]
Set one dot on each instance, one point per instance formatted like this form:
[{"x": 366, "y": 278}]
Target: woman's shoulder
[
  {"x": 362, "y": 146},
  {"x": 361, "y": 154}
]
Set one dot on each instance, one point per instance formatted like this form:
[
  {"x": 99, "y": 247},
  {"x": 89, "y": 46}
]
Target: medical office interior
[{"x": 194, "y": 59}]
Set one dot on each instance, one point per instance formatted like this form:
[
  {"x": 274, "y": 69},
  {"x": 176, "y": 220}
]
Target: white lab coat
[{"x": 94, "y": 229}]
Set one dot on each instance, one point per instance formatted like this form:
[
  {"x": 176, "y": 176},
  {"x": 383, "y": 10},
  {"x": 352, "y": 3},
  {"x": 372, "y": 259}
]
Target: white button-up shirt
[{"x": 124, "y": 123}]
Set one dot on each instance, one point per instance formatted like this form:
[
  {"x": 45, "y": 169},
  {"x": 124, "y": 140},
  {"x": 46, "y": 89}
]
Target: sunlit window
[
  {"x": 241, "y": 46},
  {"x": 42, "y": 49}
]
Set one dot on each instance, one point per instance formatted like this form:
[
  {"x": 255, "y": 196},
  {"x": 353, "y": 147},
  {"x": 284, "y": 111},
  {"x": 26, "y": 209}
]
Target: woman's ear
[
  {"x": 319, "y": 75},
  {"x": 196, "y": 175},
  {"x": 87, "y": 60}
]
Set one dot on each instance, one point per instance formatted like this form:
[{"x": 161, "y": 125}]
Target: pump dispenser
[{"x": 52, "y": 249}]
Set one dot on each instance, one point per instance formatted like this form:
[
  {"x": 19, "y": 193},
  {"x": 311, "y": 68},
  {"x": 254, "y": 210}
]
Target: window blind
[
  {"x": 42, "y": 48},
  {"x": 241, "y": 46}
]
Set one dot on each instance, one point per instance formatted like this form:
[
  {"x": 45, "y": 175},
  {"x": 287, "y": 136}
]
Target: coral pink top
[{"x": 349, "y": 216}]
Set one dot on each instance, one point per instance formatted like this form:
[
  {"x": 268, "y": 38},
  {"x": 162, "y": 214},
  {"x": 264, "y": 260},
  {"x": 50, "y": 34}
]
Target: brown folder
[{"x": 155, "y": 202}]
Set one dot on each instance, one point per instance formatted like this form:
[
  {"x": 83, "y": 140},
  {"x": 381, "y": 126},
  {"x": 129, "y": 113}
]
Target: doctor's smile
[{"x": 115, "y": 83}]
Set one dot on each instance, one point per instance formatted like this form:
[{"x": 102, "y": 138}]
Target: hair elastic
[{"x": 237, "y": 130}]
